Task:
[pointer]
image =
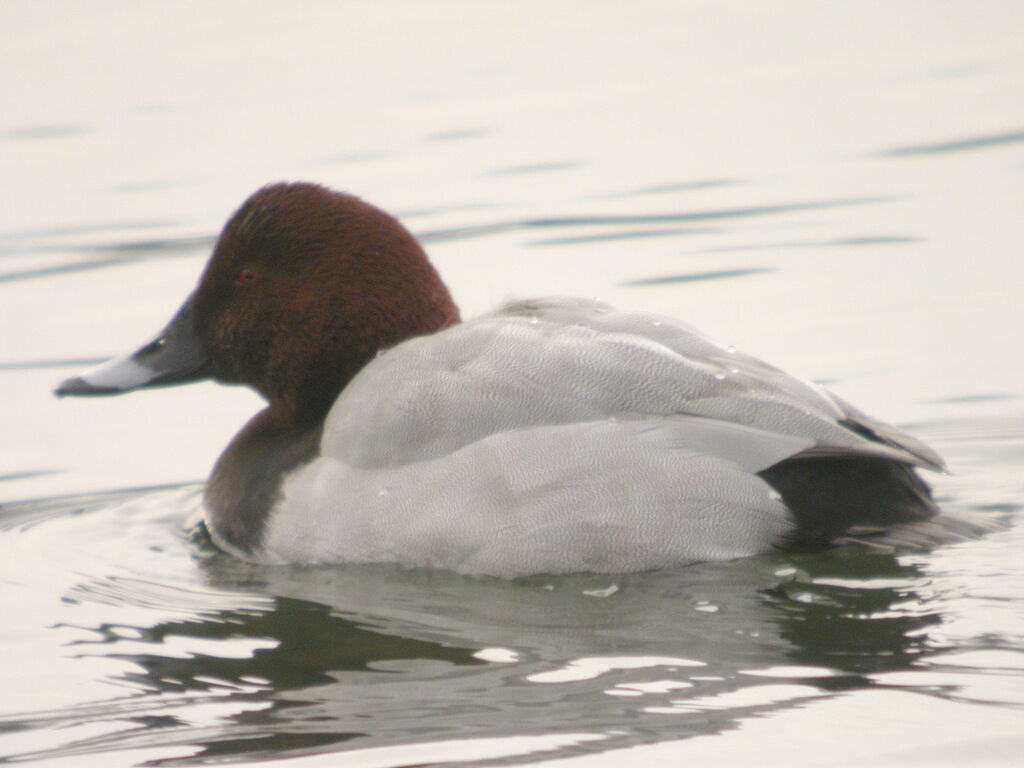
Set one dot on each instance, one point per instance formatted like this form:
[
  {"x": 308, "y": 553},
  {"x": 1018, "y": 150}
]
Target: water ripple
[
  {"x": 559, "y": 165},
  {"x": 663, "y": 189},
  {"x": 457, "y": 134},
  {"x": 956, "y": 145},
  {"x": 51, "y": 131},
  {"x": 75, "y": 362},
  {"x": 693, "y": 277},
  {"x": 109, "y": 255},
  {"x": 720, "y": 214},
  {"x": 838, "y": 242},
  {"x": 611, "y": 236}
]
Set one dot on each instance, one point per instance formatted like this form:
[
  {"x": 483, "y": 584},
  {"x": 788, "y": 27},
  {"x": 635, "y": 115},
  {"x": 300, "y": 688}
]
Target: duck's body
[{"x": 556, "y": 435}]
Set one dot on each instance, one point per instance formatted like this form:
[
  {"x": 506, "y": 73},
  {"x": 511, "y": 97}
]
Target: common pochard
[{"x": 554, "y": 435}]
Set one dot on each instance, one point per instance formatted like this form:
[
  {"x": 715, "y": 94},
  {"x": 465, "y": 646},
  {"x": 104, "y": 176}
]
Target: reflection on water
[
  {"x": 212, "y": 659},
  {"x": 251, "y": 662}
]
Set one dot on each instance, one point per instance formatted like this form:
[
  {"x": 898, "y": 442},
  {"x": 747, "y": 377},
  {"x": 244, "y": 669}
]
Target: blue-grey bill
[{"x": 175, "y": 356}]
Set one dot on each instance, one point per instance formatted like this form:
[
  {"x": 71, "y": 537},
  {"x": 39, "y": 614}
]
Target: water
[{"x": 834, "y": 187}]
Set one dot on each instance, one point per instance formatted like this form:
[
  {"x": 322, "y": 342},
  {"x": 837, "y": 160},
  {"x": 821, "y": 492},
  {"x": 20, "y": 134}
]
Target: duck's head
[{"x": 304, "y": 287}]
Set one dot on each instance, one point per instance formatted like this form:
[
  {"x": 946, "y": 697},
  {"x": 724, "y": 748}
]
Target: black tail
[{"x": 832, "y": 496}]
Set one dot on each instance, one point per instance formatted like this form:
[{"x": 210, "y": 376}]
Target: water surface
[{"x": 834, "y": 187}]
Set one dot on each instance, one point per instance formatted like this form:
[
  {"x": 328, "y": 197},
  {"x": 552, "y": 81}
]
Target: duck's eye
[{"x": 247, "y": 276}]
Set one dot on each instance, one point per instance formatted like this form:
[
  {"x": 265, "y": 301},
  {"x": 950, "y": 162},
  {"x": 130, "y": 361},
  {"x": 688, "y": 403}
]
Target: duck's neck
[{"x": 245, "y": 481}]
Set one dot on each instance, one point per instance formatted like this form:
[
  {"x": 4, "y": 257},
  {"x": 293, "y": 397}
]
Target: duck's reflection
[
  {"x": 297, "y": 644},
  {"x": 856, "y": 612},
  {"x": 373, "y": 656}
]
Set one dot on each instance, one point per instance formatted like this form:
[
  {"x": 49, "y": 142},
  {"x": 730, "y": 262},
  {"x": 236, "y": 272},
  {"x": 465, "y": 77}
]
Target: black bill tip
[{"x": 78, "y": 386}]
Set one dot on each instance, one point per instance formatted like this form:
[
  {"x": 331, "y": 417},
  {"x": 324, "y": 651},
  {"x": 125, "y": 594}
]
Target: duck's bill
[{"x": 175, "y": 356}]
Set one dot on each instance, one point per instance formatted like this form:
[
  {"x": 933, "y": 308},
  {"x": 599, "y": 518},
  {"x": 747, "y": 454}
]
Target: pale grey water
[{"x": 835, "y": 187}]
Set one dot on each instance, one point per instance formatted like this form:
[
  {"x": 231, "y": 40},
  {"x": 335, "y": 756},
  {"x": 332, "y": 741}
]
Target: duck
[{"x": 551, "y": 436}]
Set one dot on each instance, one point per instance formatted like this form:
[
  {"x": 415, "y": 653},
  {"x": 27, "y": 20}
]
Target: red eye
[{"x": 247, "y": 276}]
